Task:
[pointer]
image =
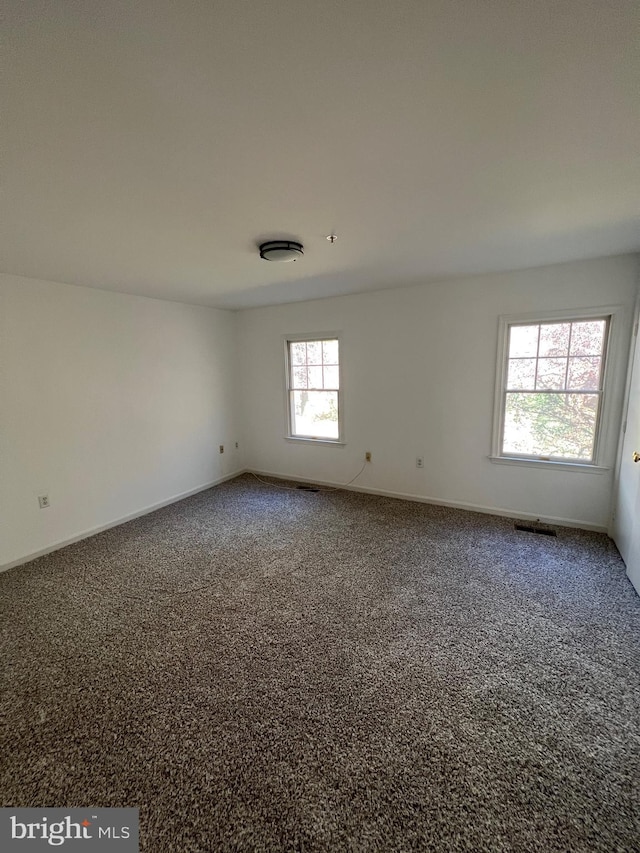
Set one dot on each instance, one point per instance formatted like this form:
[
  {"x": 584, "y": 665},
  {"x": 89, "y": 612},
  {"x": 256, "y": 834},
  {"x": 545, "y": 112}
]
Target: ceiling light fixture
[{"x": 281, "y": 251}]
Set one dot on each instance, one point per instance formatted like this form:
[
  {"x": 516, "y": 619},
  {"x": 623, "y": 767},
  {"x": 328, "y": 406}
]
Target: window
[
  {"x": 313, "y": 388},
  {"x": 551, "y": 389}
]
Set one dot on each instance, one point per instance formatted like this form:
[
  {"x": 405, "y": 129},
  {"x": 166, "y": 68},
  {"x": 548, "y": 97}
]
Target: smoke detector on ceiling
[{"x": 281, "y": 251}]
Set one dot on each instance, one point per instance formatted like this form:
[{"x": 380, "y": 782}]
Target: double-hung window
[
  {"x": 550, "y": 389},
  {"x": 314, "y": 404}
]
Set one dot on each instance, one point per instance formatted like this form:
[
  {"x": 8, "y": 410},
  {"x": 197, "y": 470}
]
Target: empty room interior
[{"x": 320, "y": 426}]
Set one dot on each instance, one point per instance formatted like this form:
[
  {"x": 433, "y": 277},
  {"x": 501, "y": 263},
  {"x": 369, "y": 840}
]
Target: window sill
[
  {"x": 580, "y": 467},
  {"x": 324, "y": 441}
]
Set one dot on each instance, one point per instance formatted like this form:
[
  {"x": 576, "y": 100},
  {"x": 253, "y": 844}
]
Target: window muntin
[
  {"x": 552, "y": 393},
  {"x": 313, "y": 380}
]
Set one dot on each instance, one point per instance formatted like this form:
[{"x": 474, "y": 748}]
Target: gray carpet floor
[{"x": 260, "y": 669}]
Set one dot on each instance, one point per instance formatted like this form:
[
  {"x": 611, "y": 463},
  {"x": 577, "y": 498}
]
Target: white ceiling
[{"x": 148, "y": 146}]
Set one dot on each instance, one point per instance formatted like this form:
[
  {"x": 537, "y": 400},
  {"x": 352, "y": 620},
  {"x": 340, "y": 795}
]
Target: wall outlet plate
[
  {"x": 419, "y": 461},
  {"x": 222, "y": 448},
  {"x": 43, "y": 501}
]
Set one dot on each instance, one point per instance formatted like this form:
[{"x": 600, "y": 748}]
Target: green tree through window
[
  {"x": 553, "y": 389},
  {"x": 313, "y": 374}
]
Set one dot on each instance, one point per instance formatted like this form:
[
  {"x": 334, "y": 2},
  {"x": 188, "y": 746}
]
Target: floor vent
[
  {"x": 529, "y": 528},
  {"x": 308, "y": 488}
]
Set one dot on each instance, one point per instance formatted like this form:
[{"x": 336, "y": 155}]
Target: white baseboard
[
  {"x": 99, "y": 529},
  {"x": 487, "y": 510}
]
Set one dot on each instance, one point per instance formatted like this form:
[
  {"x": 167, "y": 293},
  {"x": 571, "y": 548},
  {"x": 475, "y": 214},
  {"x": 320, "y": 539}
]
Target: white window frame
[
  {"x": 603, "y": 424},
  {"x": 309, "y": 439}
]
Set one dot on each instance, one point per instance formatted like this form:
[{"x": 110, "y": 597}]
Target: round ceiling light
[{"x": 281, "y": 251}]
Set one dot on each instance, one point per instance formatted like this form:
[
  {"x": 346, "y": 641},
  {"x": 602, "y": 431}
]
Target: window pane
[
  {"x": 553, "y": 425},
  {"x": 584, "y": 374},
  {"x": 522, "y": 373},
  {"x": 523, "y": 341},
  {"x": 330, "y": 352},
  {"x": 313, "y": 389},
  {"x": 587, "y": 338},
  {"x": 315, "y": 414},
  {"x": 298, "y": 352},
  {"x": 554, "y": 339},
  {"x": 315, "y": 377},
  {"x": 299, "y": 377},
  {"x": 314, "y": 352},
  {"x": 551, "y": 373},
  {"x": 331, "y": 377}
]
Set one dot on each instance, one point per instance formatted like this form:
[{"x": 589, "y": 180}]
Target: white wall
[
  {"x": 110, "y": 403},
  {"x": 419, "y": 367},
  {"x": 113, "y": 404}
]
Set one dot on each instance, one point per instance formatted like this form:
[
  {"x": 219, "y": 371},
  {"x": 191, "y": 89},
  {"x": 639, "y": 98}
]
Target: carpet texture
[{"x": 260, "y": 669}]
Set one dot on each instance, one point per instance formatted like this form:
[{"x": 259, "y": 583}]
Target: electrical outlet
[
  {"x": 222, "y": 448},
  {"x": 43, "y": 500},
  {"x": 367, "y": 456},
  {"x": 237, "y": 445},
  {"x": 419, "y": 461}
]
